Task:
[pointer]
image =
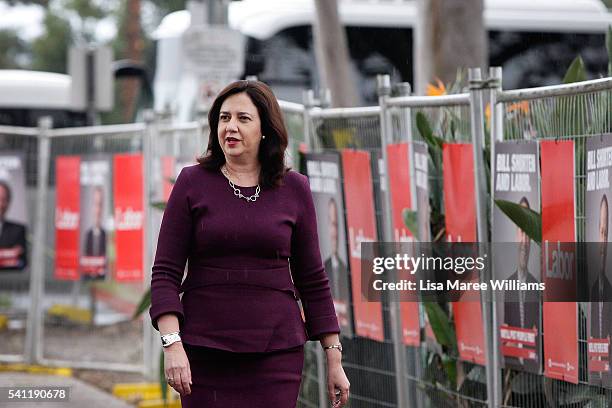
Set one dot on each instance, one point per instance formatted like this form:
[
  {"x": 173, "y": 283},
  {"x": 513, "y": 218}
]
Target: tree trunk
[
  {"x": 333, "y": 60},
  {"x": 450, "y": 34},
  {"x": 130, "y": 87}
]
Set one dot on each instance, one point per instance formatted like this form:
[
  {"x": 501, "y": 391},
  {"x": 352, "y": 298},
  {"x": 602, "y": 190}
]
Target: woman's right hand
[{"x": 176, "y": 367}]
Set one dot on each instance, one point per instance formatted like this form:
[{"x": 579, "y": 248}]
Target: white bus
[{"x": 533, "y": 40}]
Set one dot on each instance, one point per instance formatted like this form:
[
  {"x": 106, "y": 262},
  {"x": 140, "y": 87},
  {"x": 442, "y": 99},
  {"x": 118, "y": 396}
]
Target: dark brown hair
[{"x": 271, "y": 149}]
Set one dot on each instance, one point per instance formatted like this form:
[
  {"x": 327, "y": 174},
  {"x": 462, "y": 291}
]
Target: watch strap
[{"x": 170, "y": 338}]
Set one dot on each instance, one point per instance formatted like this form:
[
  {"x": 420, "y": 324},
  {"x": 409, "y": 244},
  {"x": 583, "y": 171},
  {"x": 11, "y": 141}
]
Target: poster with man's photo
[
  {"x": 324, "y": 175},
  {"x": 516, "y": 175},
  {"x": 96, "y": 215},
  {"x": 599, "y": 265},
  {"x": 14, "y": 220}
]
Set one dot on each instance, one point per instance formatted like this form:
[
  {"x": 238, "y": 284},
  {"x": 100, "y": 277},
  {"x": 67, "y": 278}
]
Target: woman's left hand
[{"x": 336, "y": 379}]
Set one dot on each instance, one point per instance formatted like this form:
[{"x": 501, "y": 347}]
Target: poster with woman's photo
[
  {"x": 14, "y": 218},
  {"x": 95, "y": 216},
  {"x": 516, "y": 179},
  {"x": 599, "y": 265},
  {"x": 324, "y": 174}
]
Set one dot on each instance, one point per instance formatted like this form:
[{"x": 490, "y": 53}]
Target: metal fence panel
[
  {"x": 85, "y": 319},
  {"x": 567, "y": 112},
  {"x": 14, "y": 284},
  {"x": 369, "y": 364}
]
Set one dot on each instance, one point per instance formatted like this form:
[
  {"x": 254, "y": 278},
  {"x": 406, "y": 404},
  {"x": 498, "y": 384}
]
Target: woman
[{"x": 247, "y": 226}]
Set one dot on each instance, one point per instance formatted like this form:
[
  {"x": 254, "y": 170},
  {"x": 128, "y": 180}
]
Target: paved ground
[{"x": 81, "y": 394}]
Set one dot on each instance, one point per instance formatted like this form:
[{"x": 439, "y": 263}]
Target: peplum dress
[{"x": 247, "y": 263}]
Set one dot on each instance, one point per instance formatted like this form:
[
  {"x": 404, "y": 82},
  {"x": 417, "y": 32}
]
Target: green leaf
[
  {"x": 424, "y": 128},
  {"x": 441, "y": 325},
  {"x": 450, "y": 367},
  {"x": 143, "y": 304},
  {"x": 411, "y": 221},
  {"x": 160, "y": 205},
  {"x": 576, "y": 72},
  {"x": 524, "y": 218}
]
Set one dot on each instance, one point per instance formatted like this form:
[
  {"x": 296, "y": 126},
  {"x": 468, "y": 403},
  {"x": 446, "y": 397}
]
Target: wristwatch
[
  {"x": 334, "y": 346},
  {"x": 170, "y": 338}
]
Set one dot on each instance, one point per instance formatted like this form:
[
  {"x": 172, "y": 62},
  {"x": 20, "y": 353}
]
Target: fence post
[
  {"x": 150, "y": 361},
  {"x": 477, "y": 127},
  {"x": 33, "y": 342},
  {"x": 399, "y": 351},
  {"x": 309, "y": 103},
  {"x": 413, "y": 353},
  {"x": 310, "y": 140},
  {"x": 495, "y": 135}
]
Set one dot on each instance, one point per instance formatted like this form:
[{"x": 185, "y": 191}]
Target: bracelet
[{"x": 334, "y": 346}]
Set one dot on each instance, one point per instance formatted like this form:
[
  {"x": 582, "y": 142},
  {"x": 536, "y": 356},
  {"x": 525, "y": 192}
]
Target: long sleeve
[
  {"x": 173, "y": 248},
  {"x": 308, "y": 272}
]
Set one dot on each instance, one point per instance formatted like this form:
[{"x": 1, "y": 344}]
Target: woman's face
[{"x": 239, "y": 128}]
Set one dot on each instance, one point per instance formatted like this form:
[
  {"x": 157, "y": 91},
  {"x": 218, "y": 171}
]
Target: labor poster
[
  {"x": 516, "y": 256},
  {"x": 599, "y": 264},
  {"x": 324, "y": 175},
  {"x": 169, "y": 169},
  {"x": 401, "y": 199},
  {"x": 559, "y": 229},
  {"x": 129, "y": 216},
  {"x": 460, "y": 216},
  {"x": 95, "y": 216},
  {"x": 13, "y": 213},
  {"x": 361, "y": 226},
  {"x": 67, "y": 215}
]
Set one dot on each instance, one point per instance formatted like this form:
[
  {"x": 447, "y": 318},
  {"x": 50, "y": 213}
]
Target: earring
[{"x": 263, "y": 136}]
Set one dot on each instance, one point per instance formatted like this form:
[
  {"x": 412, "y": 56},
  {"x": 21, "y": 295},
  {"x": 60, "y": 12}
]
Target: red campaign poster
[
  {"x": 67, "y": 176},
  {"x": 460, "y": 207},
  {"x": 560, "y": 352},
  {"x": 361, "y": 225},
  {"x": 399, "y": 182},
  {"x": 129, "y": 216}
]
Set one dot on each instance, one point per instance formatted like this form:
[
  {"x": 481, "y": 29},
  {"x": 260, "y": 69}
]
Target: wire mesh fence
[
  {"x": 369, "y": 364},
  {"x": 87, "y": 318},
  {"x": 575, "y": 113},
  {"x": 85, "y": 315},
  {"x": 446, "y": 120}
]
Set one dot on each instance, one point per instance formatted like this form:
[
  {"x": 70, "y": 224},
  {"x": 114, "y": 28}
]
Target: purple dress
[{"x": 239, "y": 319}]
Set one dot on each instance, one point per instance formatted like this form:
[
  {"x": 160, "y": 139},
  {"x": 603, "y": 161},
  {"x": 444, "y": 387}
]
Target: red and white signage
[
  {"x": 399, "y": 182},
  {"x": 67, "y": 176},
  {"x": 460, "y": 206},
  {"x": 129, "y": 216},
  {"x": 558, "y": 229},
  {"x": 361, "y": 225}
]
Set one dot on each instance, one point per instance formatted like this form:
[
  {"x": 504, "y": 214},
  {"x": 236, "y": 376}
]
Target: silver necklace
[{"x": 237, "y": 191}]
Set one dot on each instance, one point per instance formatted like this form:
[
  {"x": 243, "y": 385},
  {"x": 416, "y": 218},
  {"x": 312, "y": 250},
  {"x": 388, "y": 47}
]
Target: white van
[
  {"x": 26, "y": 96},
  {"x": 533, "y": 40}
]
